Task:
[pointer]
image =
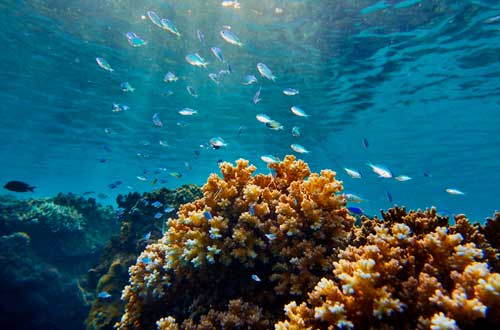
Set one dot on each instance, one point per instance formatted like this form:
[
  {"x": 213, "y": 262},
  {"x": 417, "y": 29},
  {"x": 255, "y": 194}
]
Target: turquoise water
[{"x": 419, "y": 80}]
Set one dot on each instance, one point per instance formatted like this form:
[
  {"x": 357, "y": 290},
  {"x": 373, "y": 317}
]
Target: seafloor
[{"x": 245, "y": 251}]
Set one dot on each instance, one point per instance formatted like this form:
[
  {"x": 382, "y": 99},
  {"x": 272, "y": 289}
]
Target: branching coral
[
  {"x": 410, "y": 270},
  {"x": 282, "y": 229}
]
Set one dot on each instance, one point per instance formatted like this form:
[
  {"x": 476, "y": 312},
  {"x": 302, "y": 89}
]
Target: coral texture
[
  {"x": 45, "y": 243},
  {"x": 407, "y": 271},
  {"x": 258, "y": 239},
  {"x": 138, "y": 227}
]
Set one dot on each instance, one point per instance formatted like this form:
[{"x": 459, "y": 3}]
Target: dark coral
[
  {"x": 137, "y": 214},
  {"x": 45, "y": 244}
]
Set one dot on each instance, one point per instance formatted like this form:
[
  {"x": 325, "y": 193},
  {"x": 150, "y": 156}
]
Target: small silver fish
[
  {"x": 269, "y": 159},
  {"x": 141, "y": 178},
  {"x": 298, "y": 148},
  {"x": 298, "y": 111},
  {"x": 170, "y": 77},
  {"x": 191, "y": 91},
  {"x": 263, "y": 118},
  {"x": 217, "y": 142},
  {"x": 453, "y": 191},
  {"x": 295, "y": 131},
  {"x": 381, "y": 170},
  {"x": 155, "y": 19},
  {"x": 249, "y": 79},
  {"x": 256, "y": 98},
  {"x": 201, "y": 36},
  {"x": 290, "y": 91},
  {"x": 188, "y": 112},
  {"x": 169, "y": 26},
  {"x": 218, "y": 54},
  {"x": 353, "y": 173},
  {"x": 402, "y": 178},
  {"x": 353, "y": 198},
  {"x": 231, "y": 3},
  {"x": 265, "y": 71},
  {"x": 230, "y": 37},
  {"x": 196, "y": 60},
  {"x": 156, "y": 120},
  {"x": 104, "y": 64},
  {"x": 134, "y": 40}
]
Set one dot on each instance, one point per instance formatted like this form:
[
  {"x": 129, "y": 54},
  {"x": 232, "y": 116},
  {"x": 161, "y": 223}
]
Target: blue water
[{"x": 420, "y": 80}]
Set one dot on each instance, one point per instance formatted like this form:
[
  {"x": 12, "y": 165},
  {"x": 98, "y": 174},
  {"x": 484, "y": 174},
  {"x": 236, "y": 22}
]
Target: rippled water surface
[{"x": 419, "y": 80}]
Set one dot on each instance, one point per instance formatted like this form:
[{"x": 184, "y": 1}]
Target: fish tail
[{"x": 32, "y": 188}]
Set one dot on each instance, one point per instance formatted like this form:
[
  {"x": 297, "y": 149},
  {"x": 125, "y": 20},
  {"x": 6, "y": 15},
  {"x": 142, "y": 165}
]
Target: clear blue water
[{"x": 420, "y": 80}]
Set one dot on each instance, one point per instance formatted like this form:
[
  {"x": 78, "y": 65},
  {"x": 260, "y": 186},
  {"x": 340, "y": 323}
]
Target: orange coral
[
  {"x": 408, "y": 271},
  {"x": 283, "y": 228}
]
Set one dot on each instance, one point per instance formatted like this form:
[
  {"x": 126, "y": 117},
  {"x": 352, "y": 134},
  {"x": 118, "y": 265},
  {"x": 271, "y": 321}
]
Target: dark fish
[
  {"x": 102, "y": 160},
  {"x": 389, "y": 196},
  {"x": 197, "y": 153},
  {"x": 427, "y": 174},
  {"x": 355, "y": 210},
  {"x": 229, "y": 69},
  {"x": 365, "y": 143},
  {"x": 219, "y": 161},
  {"x": 106, "y": 147},
  {"x": 112, "y": 185},
  {"x": 19, "y": 186},
  {"x": 155, "y": 180},
  {"x": 90, "y": 192}
]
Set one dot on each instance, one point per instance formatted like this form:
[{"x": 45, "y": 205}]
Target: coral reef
[
  {"x": 47, "y": 243},
  {"x": 407, "y": 271},
  {"x": 139, "y": 226},
  {"x": 255, "y": 244},
  {"x": 258, "y": 240}
]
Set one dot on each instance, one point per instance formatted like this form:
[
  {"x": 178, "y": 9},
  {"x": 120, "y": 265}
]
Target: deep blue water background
[{"x": 420, "y": 80}]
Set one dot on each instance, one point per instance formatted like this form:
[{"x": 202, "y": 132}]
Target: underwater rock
[
  {"x": 46, "y": 244},
  {"x": 139, "y": 227}
]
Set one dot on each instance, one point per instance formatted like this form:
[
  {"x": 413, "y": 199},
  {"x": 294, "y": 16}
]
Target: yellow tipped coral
[
  {"x": 284, "y": 227},
  {"x": 398, "y": 279}
]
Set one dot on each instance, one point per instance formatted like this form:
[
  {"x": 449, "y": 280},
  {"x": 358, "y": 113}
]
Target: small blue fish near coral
[
  {"x": 207, "y": 215},
  {"x": 157, "y": 204},
  {"x": 104, "y": 295},
  {"x": 158, "y": 215},
  {"x": 355, "y": 210},
  {"x": 251, "y": 210}
]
